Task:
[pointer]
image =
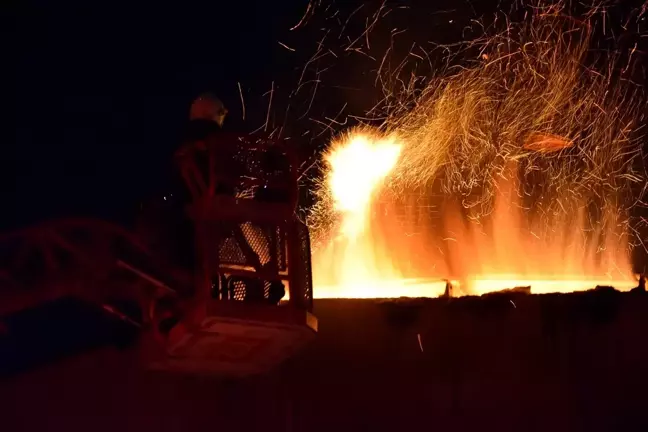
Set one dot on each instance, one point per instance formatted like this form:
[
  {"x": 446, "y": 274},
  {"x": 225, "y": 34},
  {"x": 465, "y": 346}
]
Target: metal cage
[{"x": 252, "y": 301}]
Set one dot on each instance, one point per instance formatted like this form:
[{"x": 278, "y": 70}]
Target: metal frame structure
[
  {"x": 271, "y": 242},
  {"x": 85, "y": 258},
  {"x": 248, "y": 241}
]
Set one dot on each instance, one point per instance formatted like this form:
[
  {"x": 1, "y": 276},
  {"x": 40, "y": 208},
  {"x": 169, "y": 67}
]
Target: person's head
[{"x": 208, "y": 107}]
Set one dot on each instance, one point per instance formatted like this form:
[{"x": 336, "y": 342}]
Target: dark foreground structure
[{"x": 502, "y": 362}]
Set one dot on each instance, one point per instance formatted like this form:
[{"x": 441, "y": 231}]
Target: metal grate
[
  {"x": 251, "y": 290},
  {"x": 245, "y": 289},
  {"x": 230, "y": 252},
  {"x": 251, "y": 244},
  {"x": 305, "y": 253},
  {"x": 259, "y": 169}
]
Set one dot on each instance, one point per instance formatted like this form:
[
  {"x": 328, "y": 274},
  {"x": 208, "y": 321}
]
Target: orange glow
[
  {"x": 369, "y": 255},
  {"x": 357, "y": 168},
  {"x": 514, "y": 170},
  {"x": 353, "y": 263},
  {"x": 420, "y": 288}
]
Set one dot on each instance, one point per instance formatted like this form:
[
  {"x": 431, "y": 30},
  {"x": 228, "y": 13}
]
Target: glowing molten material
[
  {"x": 363, "y": 257},
  {"x": 352, "y": 263},
  {"x": 357, "y": 168},
  {"x": 511, "y": 170}
]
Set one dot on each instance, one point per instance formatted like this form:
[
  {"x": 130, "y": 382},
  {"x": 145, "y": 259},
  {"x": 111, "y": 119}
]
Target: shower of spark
[{"x": 526, "y": 155}]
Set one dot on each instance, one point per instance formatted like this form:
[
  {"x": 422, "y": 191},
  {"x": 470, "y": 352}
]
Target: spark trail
[{"x": 525, "y": 153}]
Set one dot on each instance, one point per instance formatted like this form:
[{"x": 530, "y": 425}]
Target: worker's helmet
[{"x": 208, "y": 107}]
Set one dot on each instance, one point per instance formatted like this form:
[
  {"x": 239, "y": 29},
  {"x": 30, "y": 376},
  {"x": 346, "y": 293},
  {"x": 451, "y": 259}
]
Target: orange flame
[
  {"x": 356, "y": 170},
  {"x": 353, "y": 262},
  {"x": 532, "y": 148},
  {"x": 370, "y": 255}
]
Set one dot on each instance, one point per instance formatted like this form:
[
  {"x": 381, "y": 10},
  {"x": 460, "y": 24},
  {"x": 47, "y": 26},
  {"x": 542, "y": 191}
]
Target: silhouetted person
[
  {"x": 220, "y": 168},
  {"x": 206, "y": 118}
]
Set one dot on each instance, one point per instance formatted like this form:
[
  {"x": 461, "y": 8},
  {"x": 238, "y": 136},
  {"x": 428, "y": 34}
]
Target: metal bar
[{"x": 145, "y": 276}]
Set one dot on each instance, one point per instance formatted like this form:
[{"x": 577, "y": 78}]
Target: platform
[{"x": 238, "y": 340}]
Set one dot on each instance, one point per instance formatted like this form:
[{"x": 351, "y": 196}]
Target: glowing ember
[{"x": 546, "y": 143}]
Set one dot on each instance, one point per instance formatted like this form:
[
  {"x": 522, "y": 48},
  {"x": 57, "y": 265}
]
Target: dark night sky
[{"x": 102, "y": 92}]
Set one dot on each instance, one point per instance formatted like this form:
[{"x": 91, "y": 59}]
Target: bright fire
[
  {"x": 358, "y": 166},
  {"x": 357, "y": 169},
  {"x": 511, "y": 170},
  {"x": 363, "y": 258}
]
